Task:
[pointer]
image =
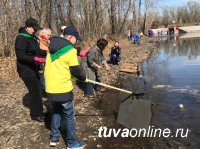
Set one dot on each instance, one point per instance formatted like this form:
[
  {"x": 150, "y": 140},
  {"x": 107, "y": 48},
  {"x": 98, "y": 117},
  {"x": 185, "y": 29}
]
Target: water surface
[{"x": 173, "y": 76}]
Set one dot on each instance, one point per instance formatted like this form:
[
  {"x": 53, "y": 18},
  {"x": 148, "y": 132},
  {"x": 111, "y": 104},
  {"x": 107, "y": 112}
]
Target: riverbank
[{"x": 17, "y": 130}]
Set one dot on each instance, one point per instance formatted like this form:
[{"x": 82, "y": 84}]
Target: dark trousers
[
  {"x": 115, "y": 59},
  {"x": 32, "y": 83},
  {"x": 97, "y": 87},
  {"x": 42, "y": 81},
  {"x": 89, "y": 87}
]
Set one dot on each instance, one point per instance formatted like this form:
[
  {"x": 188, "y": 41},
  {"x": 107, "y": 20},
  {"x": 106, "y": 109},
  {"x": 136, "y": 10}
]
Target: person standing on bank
[
  {"x": 61, "y": 64},
  {"x": 129, "y": 34},
  {"x": 28, "y": 59},
  {"x": 95, "y": 60}
]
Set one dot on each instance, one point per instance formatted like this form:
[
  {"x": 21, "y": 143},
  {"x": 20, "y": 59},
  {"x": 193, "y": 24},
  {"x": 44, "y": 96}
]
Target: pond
[{"x": 173, "y": 81}]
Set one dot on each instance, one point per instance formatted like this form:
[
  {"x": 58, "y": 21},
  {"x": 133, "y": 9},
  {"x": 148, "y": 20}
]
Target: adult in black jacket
[
  {"x": 28, "y": 59},
  {"x": 115, "y": 53}
]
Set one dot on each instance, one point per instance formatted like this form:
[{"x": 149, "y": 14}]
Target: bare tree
[
  {"x": 130, "y": 7},
  {"x": 70, "y": 13},
  {"x": 28, "y": 8},
  {"x": 92, "y": 17},
  {"x": 139, "y": 12},
  {"x": 184, "y": 14},
  {"x": 113, "y": 15},
  {"x": 86, "y": 16}
]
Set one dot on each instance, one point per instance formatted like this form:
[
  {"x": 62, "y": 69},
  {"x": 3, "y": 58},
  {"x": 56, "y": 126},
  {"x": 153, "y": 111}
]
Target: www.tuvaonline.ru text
[{"x": 104, "y": 132}]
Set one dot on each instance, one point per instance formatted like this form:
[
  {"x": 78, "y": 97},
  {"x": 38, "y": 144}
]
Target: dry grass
[{"x": 8, "y": 69}]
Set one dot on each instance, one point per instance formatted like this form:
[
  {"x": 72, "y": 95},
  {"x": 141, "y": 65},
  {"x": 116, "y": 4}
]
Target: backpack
[{"x": 84, "y": 52}]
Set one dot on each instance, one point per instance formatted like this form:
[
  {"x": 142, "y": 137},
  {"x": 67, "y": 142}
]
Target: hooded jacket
[
  {"x": 95, "y": 57},
  {"x": 61, "y": 65},
  {"x": 116, "y": 50},
  {"x": 26, "y": 48}
]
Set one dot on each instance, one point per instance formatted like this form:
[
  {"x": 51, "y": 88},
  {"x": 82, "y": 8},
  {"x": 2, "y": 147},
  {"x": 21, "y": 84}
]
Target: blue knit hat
[{"x": 71, "y": 30}]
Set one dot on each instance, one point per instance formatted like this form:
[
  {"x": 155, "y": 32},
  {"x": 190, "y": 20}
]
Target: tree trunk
[
  {"x": 131, "y": 7},
  {"x": 134, "y": 21},
  {"x": 144, "y": 23},
  {"x": 49, "y": 14},
  {"x": 86, "y": 16},
  {"x": 119, "y": 13},
  {"x": 27, "y": 8},
  {"x": 98, "y": 15},
  {"x": 37, "y": 8},
  {"x": 70, "y": 13},
  {"x": 113, "y": 16},
  {"x": 139, "y": 15},
  {"x": 60, "y": 13},
  {"x": 45, "y": 6}
]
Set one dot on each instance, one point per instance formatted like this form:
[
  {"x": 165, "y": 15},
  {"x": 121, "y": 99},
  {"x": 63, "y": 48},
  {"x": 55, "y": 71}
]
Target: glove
[{"x": 38, "y": 59}]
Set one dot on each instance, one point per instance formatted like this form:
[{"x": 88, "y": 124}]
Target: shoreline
[{"x": 19, "y": 131}]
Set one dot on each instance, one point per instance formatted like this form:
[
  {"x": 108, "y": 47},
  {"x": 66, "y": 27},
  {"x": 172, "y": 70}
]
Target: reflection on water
[
  {"x": 182, "y": 47},
  {"x": 173, "y": 76}
]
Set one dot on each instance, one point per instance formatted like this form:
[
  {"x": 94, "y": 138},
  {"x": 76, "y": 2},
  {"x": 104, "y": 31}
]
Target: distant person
[
  {"x": 159, "y": 33},
  {"x": 141, "y": 35},
  {"x": 136, "y": 39},
  {"x": 29, "y": 56},
  {"x": 150, "y": 33},
  {"x": 115, "y": 53},
  {"x": 61, "y": 64},
  {"x": 129, "y": 34}
]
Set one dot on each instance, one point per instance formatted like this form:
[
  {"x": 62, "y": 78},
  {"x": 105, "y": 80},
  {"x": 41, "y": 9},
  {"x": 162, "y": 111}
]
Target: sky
[{"x": 171, "y": 3}]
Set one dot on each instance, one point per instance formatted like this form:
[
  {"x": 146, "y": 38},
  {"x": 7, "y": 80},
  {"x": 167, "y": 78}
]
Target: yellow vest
[{"x": 57, "y": 73}]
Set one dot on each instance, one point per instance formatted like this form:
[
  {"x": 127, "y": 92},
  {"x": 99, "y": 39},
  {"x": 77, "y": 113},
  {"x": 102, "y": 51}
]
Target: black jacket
[
  {"x": 116, "y": 50},
  {"x": 26, "y": 49}
]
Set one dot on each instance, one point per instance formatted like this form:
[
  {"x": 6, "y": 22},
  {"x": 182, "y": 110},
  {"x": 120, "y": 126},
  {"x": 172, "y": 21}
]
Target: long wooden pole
[{"x": 112, "y": 87}]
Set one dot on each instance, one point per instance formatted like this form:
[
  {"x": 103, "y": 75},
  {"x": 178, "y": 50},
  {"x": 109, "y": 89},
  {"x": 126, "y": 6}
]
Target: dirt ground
[{"x": 17, "y": 130}]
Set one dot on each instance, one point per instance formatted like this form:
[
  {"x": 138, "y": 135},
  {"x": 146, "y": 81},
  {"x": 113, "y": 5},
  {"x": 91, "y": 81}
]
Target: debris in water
[{"x": 181, "y": 106}]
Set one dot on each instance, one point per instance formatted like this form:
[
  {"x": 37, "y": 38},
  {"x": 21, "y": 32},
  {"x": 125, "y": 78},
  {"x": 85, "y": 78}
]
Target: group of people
[
  {"x": 136, "y": 37},
  {"x": 48, "y": 64},
  {"x": 36, "y": 53}
]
